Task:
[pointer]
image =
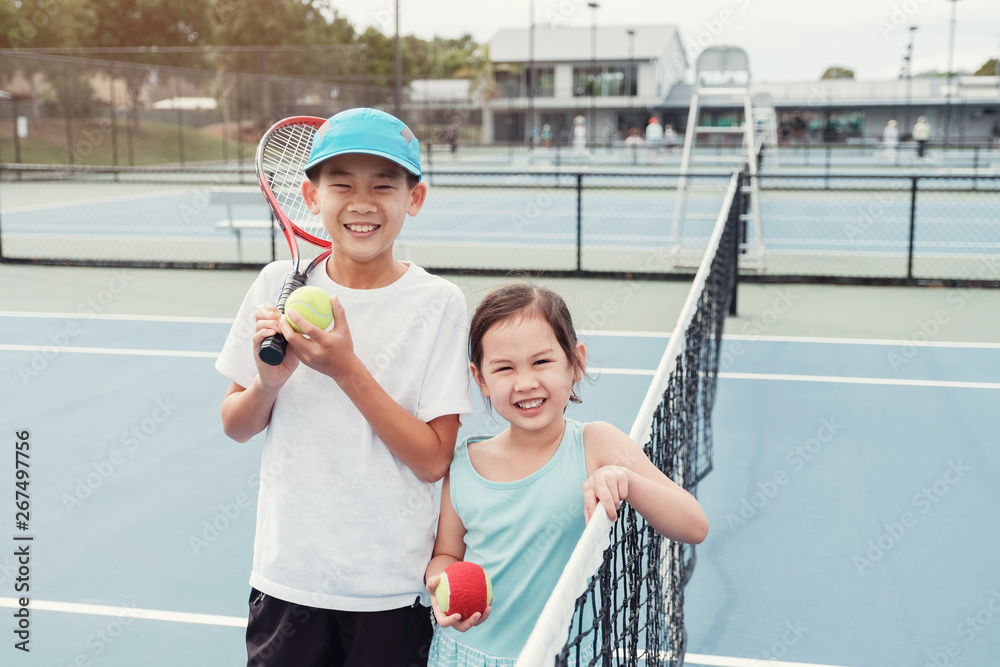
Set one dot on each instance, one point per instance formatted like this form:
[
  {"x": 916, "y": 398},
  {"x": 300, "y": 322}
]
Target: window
[
  {"x": 508, "y": 84},
  {"x": 604, "y": 81},
  {"x": 546, "y": 82}
]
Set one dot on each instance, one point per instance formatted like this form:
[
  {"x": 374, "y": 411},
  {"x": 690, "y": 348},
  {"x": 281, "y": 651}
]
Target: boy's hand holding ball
[
  {"x": 330, "y": 350},
  {"x": 313, "y": 304}
]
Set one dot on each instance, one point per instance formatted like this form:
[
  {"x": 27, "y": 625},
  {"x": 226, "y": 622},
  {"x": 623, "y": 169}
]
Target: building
[
  {"x": 612, "y": 75},
  {"x": 619, "y": 76},
  {"x": 857, "y": 111}
]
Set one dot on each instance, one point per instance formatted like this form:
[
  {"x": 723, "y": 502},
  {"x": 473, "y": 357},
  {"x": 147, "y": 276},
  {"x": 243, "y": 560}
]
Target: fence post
[
  {"x": 180, "y": 122},
  {"x": 430, "y": 160},
  {"x": 829, "y": 150},
  {"x": 975, "y": 168},
  {"x": 239, "y": 126},
  {"x": 579, "y": 222},
  {"x": 913, "y": 226},
  {"x": 1, "y": 225},
  {"x": 17, "y": 137},
  {"x": 68, "y": 110},
  {"x": 114, "y": 118}
]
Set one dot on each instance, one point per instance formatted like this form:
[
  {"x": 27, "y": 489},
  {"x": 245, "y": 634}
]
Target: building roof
[
  {"x": 568, "y": 44},
  {"x": 826, "y": 93}
]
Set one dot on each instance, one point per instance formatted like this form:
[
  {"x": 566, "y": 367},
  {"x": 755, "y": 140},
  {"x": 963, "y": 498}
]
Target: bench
[{"x": 229, "y": 198}]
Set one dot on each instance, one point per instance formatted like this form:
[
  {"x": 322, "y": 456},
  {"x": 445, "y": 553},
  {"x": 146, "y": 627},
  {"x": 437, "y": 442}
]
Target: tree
[
  {"x": 448, "y": 56},
  {"x": 379, "y": 52},
  {"x": 150, "y": 23},
  {"x": 45, "y": 24},
  {"x": 309, "y": 40},
  {"x": 990, "y": 68},
  {"x": 836, "y": 72},
  {"x": 10, "y": 19},
  {"x": 482, "y": 72}
]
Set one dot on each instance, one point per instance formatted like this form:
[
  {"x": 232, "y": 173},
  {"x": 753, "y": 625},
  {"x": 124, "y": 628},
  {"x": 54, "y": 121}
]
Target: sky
[{"x": 786, "y": 40}]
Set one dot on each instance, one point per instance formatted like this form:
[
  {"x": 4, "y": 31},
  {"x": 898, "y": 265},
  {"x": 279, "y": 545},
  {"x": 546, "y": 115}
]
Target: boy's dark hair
[
  {"x": 411, "y": 179},
  {"x": 521, "y": 300}
]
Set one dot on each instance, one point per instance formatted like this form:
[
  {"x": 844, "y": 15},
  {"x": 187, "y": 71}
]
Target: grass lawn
[{"x": 93, "y": 143}]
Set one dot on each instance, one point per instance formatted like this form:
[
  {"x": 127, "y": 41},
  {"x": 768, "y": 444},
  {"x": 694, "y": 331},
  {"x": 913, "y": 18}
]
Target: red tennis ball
[{"x": 464, "y": 589}]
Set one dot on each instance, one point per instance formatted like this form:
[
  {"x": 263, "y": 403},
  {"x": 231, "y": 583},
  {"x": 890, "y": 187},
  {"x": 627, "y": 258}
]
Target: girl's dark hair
[{"x": 521, "y": 300}]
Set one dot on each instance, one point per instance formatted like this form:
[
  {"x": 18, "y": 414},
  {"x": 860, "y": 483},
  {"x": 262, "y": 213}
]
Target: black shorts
[{"x": 284, "y": 634}]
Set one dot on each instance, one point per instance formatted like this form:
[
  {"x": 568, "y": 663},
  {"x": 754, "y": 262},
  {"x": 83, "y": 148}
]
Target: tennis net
[{"x": 620, "y": 600}]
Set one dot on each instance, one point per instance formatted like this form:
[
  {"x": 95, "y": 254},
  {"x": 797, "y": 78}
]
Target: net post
[
  {"x": 913, "y": 226},
  {"x": 737, "y": 215}
]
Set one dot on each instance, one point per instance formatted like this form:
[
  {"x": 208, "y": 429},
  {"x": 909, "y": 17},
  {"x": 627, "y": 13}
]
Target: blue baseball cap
[{"x": 366, "y": 131}]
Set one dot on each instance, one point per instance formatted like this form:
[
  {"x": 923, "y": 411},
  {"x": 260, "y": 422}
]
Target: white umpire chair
[{"x": 722, "y": 74}]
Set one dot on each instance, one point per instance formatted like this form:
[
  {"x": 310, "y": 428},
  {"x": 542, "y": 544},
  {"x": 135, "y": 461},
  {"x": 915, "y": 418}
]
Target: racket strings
[{"x": 285, "y": 156}]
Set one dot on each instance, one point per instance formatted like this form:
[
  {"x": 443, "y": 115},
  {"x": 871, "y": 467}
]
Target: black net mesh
[{"x": 632, "y": 612}]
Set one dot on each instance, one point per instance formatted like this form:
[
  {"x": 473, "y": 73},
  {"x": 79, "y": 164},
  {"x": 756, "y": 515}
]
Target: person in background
[
  {"x": 890, "y": 138},
  {"x": 633, "y": 142},
  {"x": 921, "y": 134},
  {"x": 654, "y": 138}
]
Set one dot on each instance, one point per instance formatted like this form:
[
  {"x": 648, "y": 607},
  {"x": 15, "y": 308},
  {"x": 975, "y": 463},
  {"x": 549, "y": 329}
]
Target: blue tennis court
[{"x": 851, "y": 501}]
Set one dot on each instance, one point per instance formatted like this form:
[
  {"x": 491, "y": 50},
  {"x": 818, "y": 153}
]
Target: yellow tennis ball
[
  {"x": 313, "y": 304},
  {"x": 464, "y": 589}
]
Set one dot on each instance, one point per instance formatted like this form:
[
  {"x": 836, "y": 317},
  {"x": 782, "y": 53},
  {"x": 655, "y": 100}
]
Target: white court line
[
  {"x": 128, "y": 318},
  {"x": 621, "y": 371},
  {"x": 775, "y": 377},
  {"x": 582, "y": 332},
  {"x": 599, "y": 371},
  {"x": 817, "y": 340},
  {"x": 239, "y": 622},
  {"x": 623, "y": 334},
  {"x": 129, "y": 612},
  {"x": 723, "y": 661},
  {"x": 899, "y": 382},
  {"x": 109, "y": 350},
  {"x": 862, "y": 341},
  {"x": 153, "y": 192}
]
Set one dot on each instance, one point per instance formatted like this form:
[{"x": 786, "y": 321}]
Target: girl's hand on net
[{"x": 608, "y": 486}]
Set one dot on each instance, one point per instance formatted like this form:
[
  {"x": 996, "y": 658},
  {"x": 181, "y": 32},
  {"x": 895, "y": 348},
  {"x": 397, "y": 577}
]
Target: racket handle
[{"x": 272, "y": 349}]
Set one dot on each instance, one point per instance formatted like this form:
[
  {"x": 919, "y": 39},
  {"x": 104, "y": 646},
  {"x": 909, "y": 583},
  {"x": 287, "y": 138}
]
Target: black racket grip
[{"x": 272, "y": 349}]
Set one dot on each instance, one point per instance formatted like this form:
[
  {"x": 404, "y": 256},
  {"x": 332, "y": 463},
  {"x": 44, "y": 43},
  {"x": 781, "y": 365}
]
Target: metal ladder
[{"x": 766, "y": 121}]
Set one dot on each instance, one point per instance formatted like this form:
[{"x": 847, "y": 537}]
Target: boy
[{"x": 361, "y": 420}]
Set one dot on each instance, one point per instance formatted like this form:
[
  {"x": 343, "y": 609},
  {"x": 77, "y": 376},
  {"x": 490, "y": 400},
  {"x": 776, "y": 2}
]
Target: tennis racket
[{"x": 282, "y": 154}]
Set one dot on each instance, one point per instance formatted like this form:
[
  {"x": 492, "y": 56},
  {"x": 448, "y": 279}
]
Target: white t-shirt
[{"x": 341, "y": 522}]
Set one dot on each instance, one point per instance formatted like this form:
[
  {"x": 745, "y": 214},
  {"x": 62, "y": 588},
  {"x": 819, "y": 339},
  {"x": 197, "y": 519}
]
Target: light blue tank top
[{"x": 522, "y": 534}]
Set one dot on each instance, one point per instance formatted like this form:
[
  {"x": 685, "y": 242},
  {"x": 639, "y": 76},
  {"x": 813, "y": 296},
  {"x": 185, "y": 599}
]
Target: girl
[{"x": 516, "y": 503}]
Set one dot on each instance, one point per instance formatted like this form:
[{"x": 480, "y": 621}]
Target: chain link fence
[
  {"x": 909, "y": 228},
  {"x": 544, "y": 222},
  {"x": 844, "y": 228},
  {"x": 198, "y": 106}
]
